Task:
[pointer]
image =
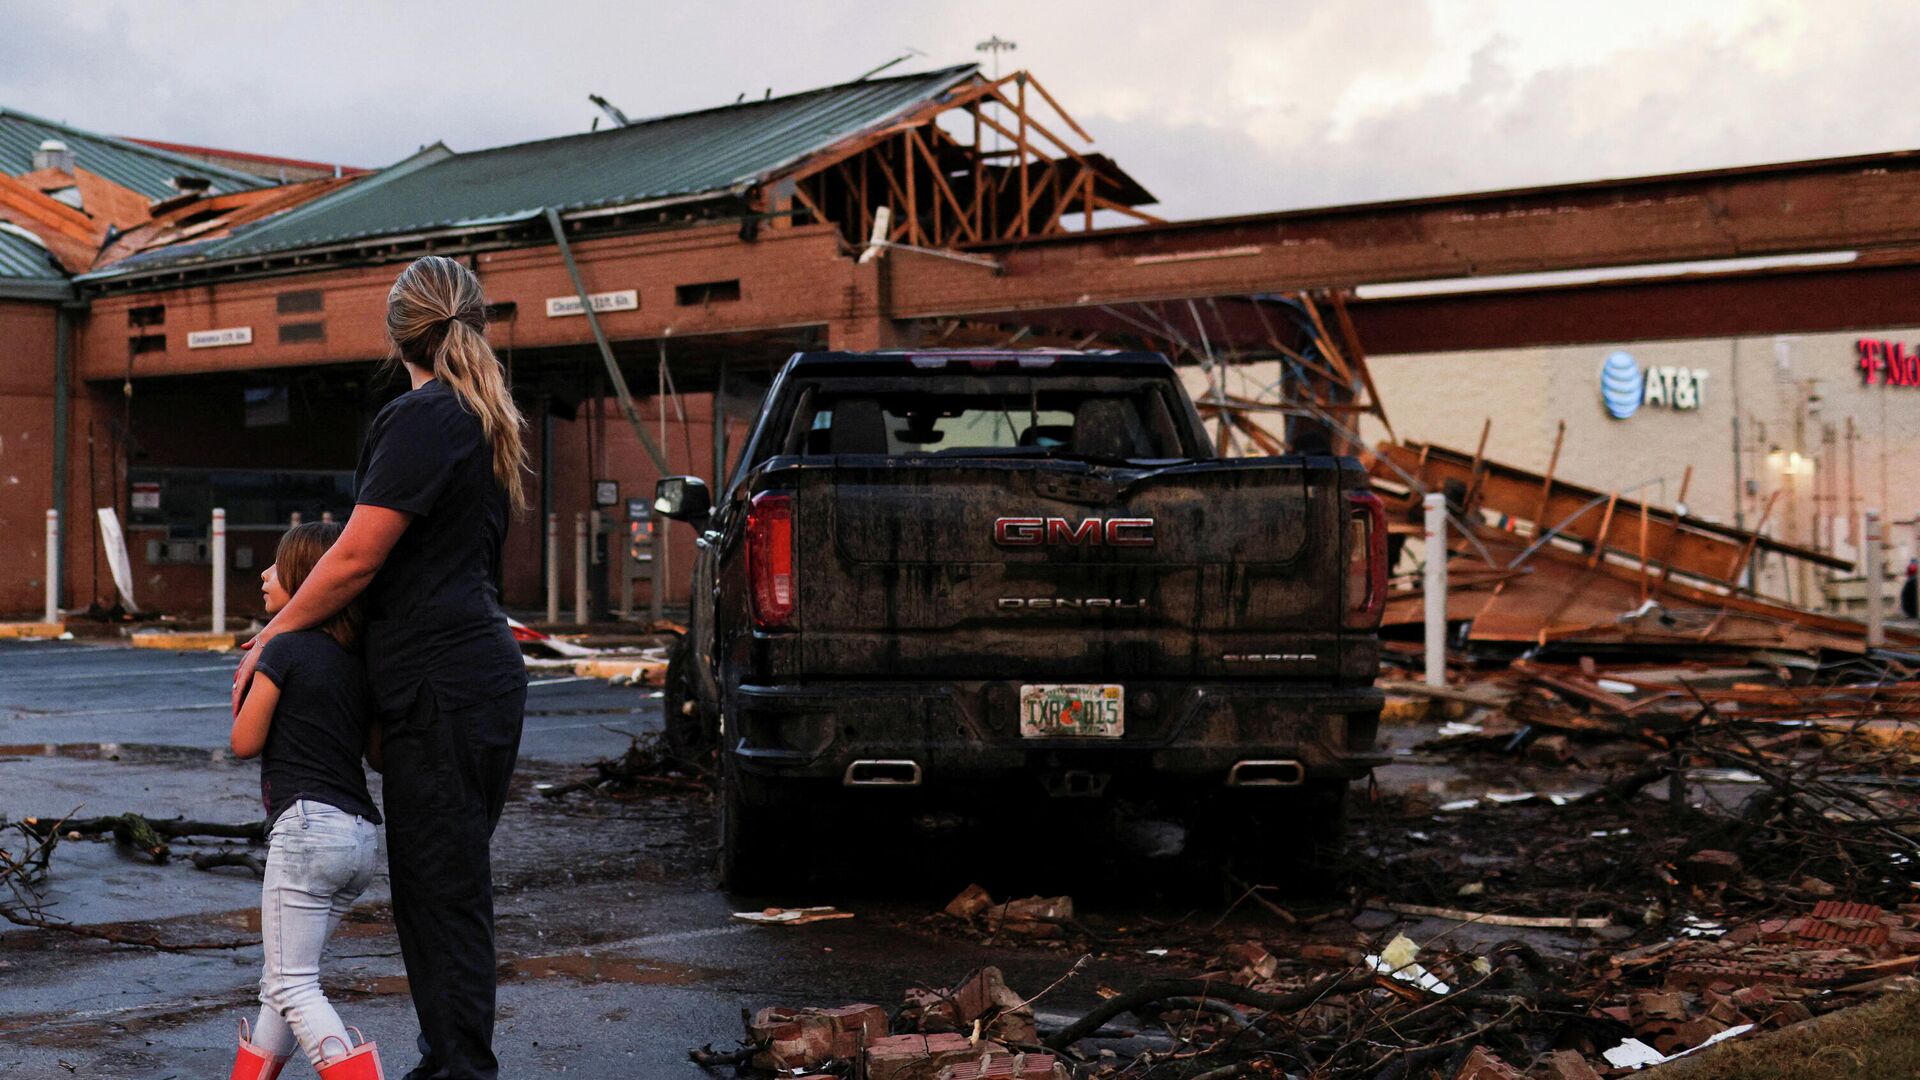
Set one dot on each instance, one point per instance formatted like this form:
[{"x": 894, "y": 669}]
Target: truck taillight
[
  {"x": 1366, "y": 560},
  {"x": 770, "y": 559}
]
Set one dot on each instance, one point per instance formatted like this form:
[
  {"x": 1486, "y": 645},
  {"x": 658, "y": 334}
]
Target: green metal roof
[
  {"x": 27, "y": 269},
  {"x": 141, "y": 168},
  {"x": 712, "y": 152}
]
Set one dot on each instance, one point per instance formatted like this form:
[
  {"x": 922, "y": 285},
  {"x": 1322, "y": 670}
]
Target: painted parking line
[{"x": 104, "y": 674}]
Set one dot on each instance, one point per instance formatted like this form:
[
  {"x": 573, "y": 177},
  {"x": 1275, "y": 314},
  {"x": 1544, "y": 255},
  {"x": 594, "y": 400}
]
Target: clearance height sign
[{"x": 1626, "y": 386}]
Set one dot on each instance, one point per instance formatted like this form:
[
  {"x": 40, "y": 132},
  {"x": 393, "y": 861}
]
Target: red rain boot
[
  {"x": 357, "y": 1063},
  {"x": 252, "y": 1063}
]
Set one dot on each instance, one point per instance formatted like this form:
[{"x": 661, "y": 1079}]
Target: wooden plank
[
  {"x": 1475, "y": 474},
  {"x": 1020, "y": 141},
  {"x": 1546, "y": 482},
  {"x": 945, "y": 189},
  {"x": 1060, "y": 110},
  {"x": 1746, "y": 552},
  {"x": 1357, "y": 356},
  {"x": 1699, "y": 547},
  {"x": 1327, "y": 345},
  {"x": 1666, "y": 554},
  {"x": 1606, "y": 526}
]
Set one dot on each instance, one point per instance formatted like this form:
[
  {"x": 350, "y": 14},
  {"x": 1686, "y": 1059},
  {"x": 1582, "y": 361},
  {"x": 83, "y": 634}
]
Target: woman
[{"x": 442, "y": 467}]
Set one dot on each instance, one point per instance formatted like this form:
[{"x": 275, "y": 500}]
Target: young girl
[{"x": 306, "y": 714}]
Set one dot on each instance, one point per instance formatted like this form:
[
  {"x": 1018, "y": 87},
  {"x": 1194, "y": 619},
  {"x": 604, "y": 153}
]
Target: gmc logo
[{"x": 1092, "y": 532}]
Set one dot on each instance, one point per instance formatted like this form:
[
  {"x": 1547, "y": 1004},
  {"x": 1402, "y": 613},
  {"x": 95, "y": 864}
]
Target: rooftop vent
[
  {"x": 191, "y": 185},
  {"x": 53, "y": 154}
]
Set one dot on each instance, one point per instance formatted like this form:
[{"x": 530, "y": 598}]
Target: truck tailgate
[{"x": 970, "y": 569}]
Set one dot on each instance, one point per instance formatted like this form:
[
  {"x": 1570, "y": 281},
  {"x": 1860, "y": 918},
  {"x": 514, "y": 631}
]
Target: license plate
[{"x": 1085, "y": 710}]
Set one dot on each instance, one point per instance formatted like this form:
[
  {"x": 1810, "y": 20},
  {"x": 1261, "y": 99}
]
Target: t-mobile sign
[{"x": 1887, "y": 363}]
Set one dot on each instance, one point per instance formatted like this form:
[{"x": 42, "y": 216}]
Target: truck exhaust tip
[
  {"x": 1283, "y": 773},
  {"x": 885, "y": 772}
]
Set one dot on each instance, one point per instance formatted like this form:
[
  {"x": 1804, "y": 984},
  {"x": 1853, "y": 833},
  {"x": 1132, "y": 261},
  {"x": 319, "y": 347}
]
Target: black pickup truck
[{"x": 979, "y": 572}]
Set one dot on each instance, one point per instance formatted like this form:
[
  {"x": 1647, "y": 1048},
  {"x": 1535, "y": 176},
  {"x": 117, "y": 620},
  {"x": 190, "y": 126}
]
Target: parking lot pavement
[{"x": 616, "y": 952}]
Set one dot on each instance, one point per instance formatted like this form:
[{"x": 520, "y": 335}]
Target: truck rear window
[{"x": 1041, "y": 422}]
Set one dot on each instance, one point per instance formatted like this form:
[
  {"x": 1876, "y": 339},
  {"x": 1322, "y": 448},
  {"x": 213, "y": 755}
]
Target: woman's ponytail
[{"x": 437, "y": 320}]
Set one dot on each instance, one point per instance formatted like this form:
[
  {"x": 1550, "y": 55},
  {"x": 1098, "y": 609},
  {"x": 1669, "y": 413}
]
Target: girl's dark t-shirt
[
  {"x": 433, "y": 610},
  {"x": 319, "y": 729}
]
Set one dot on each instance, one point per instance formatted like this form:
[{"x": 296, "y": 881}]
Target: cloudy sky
[{"x": 1217, "y": 106}]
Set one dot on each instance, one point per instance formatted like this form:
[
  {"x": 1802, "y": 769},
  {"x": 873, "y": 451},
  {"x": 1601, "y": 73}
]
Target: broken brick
[
  {"x": 1484, "y": 1064},
  {"x": 1005, "y": 1067},
  {"x": 972, "y": 901},
  {"x": 920, "y": 1057},
  {"x": 1564, "y": 1065},
  {"x": 803, "y": 1038},
  {"x": 1711, "y": 867}
]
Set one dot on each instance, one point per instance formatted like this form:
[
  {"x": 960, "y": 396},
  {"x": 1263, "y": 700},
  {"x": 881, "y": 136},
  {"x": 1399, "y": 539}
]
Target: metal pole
[
  {"x": 626, "y": 568},
  {"x": 53, "y": 566},
  {"x": 219, "y": 560},
  {"x": 553, "y": 568},
  {"x": 580, "y": 568},
  {"x": 62, "y": 436},
  {"x": 597, "y": 556},
  {"x": 1435, "y": 597},
  {"x": 1876, "y": 612}
]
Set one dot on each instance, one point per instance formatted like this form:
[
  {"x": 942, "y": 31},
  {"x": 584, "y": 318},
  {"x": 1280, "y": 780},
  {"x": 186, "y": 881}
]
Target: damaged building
[{"x": 184, "y": 332}]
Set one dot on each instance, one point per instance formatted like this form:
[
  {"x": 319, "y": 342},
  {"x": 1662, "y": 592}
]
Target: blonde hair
[
  {"x": 437, "y": 320},
  {"x": 299, "y": 552}
]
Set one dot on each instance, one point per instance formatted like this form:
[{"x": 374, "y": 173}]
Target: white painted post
[
  {"x": 53, "y": 566},
  {"x": 326, "y": 517},
  {"x": 219, "y": 560},
  {"x": 1876, "y": 609},
  {"x": 626, "y": 568},
  {"x": 553, "y": 569},
  {"x": 580, "y": 569},
  {"x": 293, "y": 520},
  {"x": 1435, "y": 594}
]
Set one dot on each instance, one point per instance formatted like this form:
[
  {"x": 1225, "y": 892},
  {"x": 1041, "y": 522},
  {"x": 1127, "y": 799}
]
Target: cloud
[{"x": 1218, "y": 106}]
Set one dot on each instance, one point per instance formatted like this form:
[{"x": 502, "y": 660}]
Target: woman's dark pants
[{"x": 445, "y": 783}]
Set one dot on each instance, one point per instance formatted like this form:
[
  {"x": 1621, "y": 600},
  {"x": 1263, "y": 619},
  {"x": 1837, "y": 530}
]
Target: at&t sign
[{"x": 1625, "y": 386}]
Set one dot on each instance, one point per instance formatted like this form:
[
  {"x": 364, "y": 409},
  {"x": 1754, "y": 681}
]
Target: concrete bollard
[
  {"x": 53, "y": 566},
  {"x": 580, "y": 569},
  {"x": 293, "y": 520},
  {"x": 219, "y": 560},
  {"x": 326, "y": 517},
  {"x": 1871, "y": 558},
  {"x": 1436, "y": 589},
  {"x": 553, "y": 569}
]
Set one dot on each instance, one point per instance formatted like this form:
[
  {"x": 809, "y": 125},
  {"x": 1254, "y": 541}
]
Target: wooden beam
[
  {"x": 1746, "y": 552},
  {"x": 1606, "y": 526},
  {"x": 1546, "y": 482},
  {"x": 1020, "y": 141},
  {"x": 1059, "y": 110},
  {"x": 1029, "y": 122},
  {"x": 1121, "y": 208},
  {"x": 1693, "y": 546},
  {"x": 933, "y": 166}
]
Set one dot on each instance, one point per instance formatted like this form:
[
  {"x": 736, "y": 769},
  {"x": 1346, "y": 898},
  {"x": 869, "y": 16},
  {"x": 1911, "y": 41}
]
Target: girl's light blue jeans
[{"x": 319, "y": 860}]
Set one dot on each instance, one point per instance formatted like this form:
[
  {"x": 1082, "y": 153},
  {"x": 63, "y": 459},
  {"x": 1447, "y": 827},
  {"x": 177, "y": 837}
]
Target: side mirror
[{"x": 682, "y": 498}]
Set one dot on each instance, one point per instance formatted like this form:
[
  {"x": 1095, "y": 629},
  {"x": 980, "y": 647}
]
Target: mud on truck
[{"x": 966, "y": 572}]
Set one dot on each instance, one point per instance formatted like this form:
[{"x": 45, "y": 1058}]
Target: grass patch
[{"x": 1880, "y": 1038}]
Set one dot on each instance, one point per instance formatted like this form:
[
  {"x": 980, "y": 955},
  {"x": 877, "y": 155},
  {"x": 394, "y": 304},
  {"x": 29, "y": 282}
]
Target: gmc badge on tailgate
[{"x": 1091, "y": 532}]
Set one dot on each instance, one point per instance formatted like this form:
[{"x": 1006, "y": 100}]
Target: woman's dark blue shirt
[{"x": 433, "y": 609}]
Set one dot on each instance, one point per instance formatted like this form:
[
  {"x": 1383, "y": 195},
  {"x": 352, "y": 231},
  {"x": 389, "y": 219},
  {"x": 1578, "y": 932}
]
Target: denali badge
[
  {"x": 1058, "y": 603},
  {"x": 1092, "y": 532}
]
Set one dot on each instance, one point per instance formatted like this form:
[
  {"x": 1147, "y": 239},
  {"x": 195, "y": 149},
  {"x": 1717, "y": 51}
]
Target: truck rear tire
[
  {"x": 750, "y": 822},
  {"x": 688, "y": 728}
]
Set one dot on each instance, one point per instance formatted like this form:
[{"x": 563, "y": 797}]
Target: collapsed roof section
[
  {"x": 948, "y": 157},
  {"x": 148, "y": 170}
]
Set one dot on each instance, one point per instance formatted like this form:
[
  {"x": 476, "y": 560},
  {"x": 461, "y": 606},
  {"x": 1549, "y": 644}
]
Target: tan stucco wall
[{"x": 1788, "y": 391}]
